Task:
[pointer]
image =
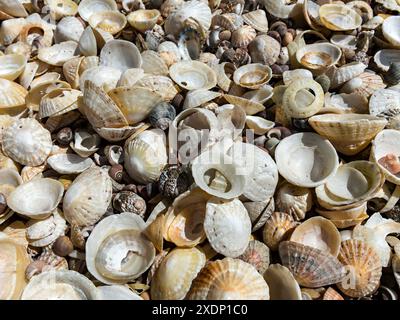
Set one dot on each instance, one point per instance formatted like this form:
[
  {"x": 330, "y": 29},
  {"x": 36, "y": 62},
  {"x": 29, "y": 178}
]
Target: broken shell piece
[
  {"x": 11, "y": 66},
  {"x": 44, "y": 195},
  {"x": 196, "y": 98},
  {"x": 85, "y": 143},
  {"x": 259, "y": 125},
  {"x": 58, "y": 101},
  {"x": 229, "y": 279},
  {"x": 69, "y": 163},
  {"x": 383, "y": 58}
]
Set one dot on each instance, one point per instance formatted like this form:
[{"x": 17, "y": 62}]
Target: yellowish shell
[
  {"x": 11, "y": 66},
  {"x": 12, "y": 97},
  {"x": 277, "y": 227},
  {"x": 109, "y": 21}
]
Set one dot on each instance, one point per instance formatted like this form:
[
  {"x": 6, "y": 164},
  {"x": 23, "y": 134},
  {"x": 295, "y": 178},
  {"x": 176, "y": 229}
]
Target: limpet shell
[{"x": 282, "y": 284}]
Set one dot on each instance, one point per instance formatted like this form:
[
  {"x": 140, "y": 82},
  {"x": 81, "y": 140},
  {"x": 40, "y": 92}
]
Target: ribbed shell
[
  {"x": 257, "y": 254},
  {"x": 58, "y": 101},
  {"x": 229, "y": 279},
  {"x": 364, "y": 267},
  {"x": 11, "y": 95},
  {"x": 276, "y": 229},
  {"x": 175, "y": 274},
  {"x": 164, "y": 86},
  {"x": 27, "y": 142},
  {"x": 311, "y": 267},
  {"x": 88, "y": 198}
]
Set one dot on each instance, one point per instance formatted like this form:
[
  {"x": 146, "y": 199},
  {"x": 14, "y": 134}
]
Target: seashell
[
  {"x": 364, "y": 85},
  {"x": 281, "y": 9},
  {"x": 306, "y": 159},
  {"x": 256, "y": 254},
  {"x": 196, "y": 98},
  {"x": 291, "y": 75},
  {"x": 41, "y": 233},
  {"x": 169, "y": 281},
  {"x": 121, "y": 55},
  {"x": 85, "y": 143},
  {"x": 259, "y": 212},
  {"x": 295, "y": 200},
  {"x": 37, "y": 198},
  {"x": 264, "y": 49},
  {"x": 192, "y": 10},
  {"x": 88, "y": 198},
  {"x": 87, "y": 42},
  {"x": 349, "y": 71},
  {"x": 130, "y": 77},
  {"x": 164, "y": 86},
  {"x": 311, "y": 267},
  {"x": 10, "y": 30},
  {"x": 71, "y": 71},
  {"x": 27, "y": 142},
  {"x": 68, "y": 28},
  {"x": 242, "y": 36},
  {"x": 320, "y": 233},
  {"x": 152, "y": 63},
  {"x": 14, "y": 260},
  {"x": 170, "y": 6},
  {"x": 251, "y": 107},
  {"x": 61, "y": 8},
  {"x": 282, "y": 284},
  {"x": 184, "y": 219},
  {"x": 146, "y": 156},
  {"x": 39, "y": 90},
  {"x": 9, "y": 180},
  {"x": 11, "y": 66},
  {"x": 87, "y": 7},
  {"x": 12, "y": 97},
  {"x": 62, "y": 246},
  {"x": 155, "y": 231},
  {"x": 228, "y": 279},
  {"x": 116, "y": 251},
  {"x": 192, "y": 75},
  {"x": 227, "y": 226},
  {"x": 32, "y": 30},
  {"x": 60, "y": 284},
  {"x": 101, "y": 76},
  {"x": 355, "y": 129},
  {"x": 143, "y": 20},
  {"x": 256, "y": 19},
  {"x": 259, "y": 125},
  {"x": 252, "y": 76},
  {"x": 392, "y": 75},
  {"x": 318, "y": 57},
  {"x": 332, "y": 294},
  {"x": 58, "y": 101},
  {"x": 258, "y": 167},
  {"x": 339, "y": 17},
  {"x": 344, "y": 41},
  {"x": 69, "y": 163},
  {"x": 58, "y": 54},
  {"x": 276, "y": 229},
  {"x": 162, "y": 115},
  {"x": 108, "y": 21},
  {"x": 363, "y": 266},
  {"x": 224, "y": 72},
  {"x": 117, "y": 292},
  {"x": 227, "y": 21},
  {"x": 383, "y": 58},
  {"x": 344, "y": 214},
  {"x": 390, "y": 27},
  {"x": 374, "y": 233},
  {"x": 13, "y": 8},
  {"x": 117, "y": 134},
  {"x": 127, "y": 201}
]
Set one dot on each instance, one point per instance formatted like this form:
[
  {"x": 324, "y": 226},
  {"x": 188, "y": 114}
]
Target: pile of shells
[{"x": 222, "y": 149}]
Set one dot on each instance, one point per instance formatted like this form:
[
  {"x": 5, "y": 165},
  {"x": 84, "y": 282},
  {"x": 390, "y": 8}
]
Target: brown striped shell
[{"x": 276, "y": 229}]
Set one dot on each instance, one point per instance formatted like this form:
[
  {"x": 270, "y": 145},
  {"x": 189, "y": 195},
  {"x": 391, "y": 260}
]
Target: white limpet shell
[
  {"x": 306, "y": 159},
  {"x": 320, "y": 233},
  {"x": 383, "y": 58},
  {"x": 260, "y": 170},
  {"x": 318, "y": 56},
  {"x": 130, "y": 76},
  {"x": 117, "y": 292},
  {"x": 85, "y": 143},
  {"x": 391, "y": 30},
  {"x": 108, "y": 21},
  {"x": 282, "y": 9},
  {"x": 27, "y": 142},
  {"x": 174, "y": 276},
  {"x": 9, "y": 180},
  {"x": 227, "y": 226},
  {"x": 12, "y": 97},
  {"x": 291, "y": 75},
  {"x": 339, "y": 17},
  {"x": 11, "y": 66},
  {"x": 143, "y": 20},
  {"x": 121, "y": 55},
  {"x": 364, "y": 85},
  {"x": 252, "y": 76},
  {"x": 374, "y": 233},
  {"x": 41, "y": 233},
  {"x": 69, "y": 163},
  {"x": 116, "y": 251},
  {"x": 60, "y": 285},
  {"x": 146, "y": 155},
  {"x": 196, "y": 98},
  {"x": 386, "y": 142},
  {"x": 88, "y": 197},
  {"x": 37, "y": 198},
  {"x": 101, "y": 76},
  {"x": 259, "y": 125},
  {"x": 192, "y": 75},
  {"x": 68, "y": 28},
  {"x": 87, "y": 7},
  {"x": 256, "y": 19},
  {"x": 282, "y": 285},
  {"x": 58, "y": 54}
]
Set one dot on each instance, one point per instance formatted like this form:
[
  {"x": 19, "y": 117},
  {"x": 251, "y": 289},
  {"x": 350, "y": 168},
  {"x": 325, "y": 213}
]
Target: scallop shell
[
  {"x": 37, "y": 198},
  {"x": 364, "y": 85},
  {"x": 146, "y": 156},
  {"x": 311, "y": 267},
  {"x": 121, "y": 55},
  {"x": 339, "y": 17},
  {"x": 164, "y": 86},
  {"x": 229, "y": 279},
  {"x": 58, "y": 101},
  {"x": 11, "y": 66},
  {"x": 13, "y": 262},
  {"x": 60, "y": 285},
  {"x": 257, "y": 254},
  {"x": 12, "y": 97},
  {"x": 143, "y": 20},
  {"x": 306, "y": 159},
  {"x": 282, "y": 284},
  {"x": 277, "y": 228},
  {"x": 108, "y": 21},
  {"x": 88, "y": 197},
  {"x": 256, "y": 19},
  {"x": 357, "y": 130},
  {"x": 390, "y": 30},
  {"x": 87, "y": 7},
  {"x": 116, "y": 251},
  {"x": 227, "y": 226},
  {"x": 69, "y": 163},
  {"x": 363, "y": 266},
  {"x": 318, "y": 57},
  {"x": 58, "y": 54},
  {"x": 135, "y": 103},
  {"x": 339, "y": 76},
  {"x": 71, "y": 71},
  {"x": 176, "y": 272},
  {"x": 27, "y": 142},
  {"x": 192, "y": 75},
  {"x": 319, "y": 233},
  {"x": 38, "y": 90}
]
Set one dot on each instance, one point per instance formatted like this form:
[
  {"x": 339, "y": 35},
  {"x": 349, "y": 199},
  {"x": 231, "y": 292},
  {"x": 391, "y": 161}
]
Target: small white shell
[
  {"x": 58, "y": 54},
  {"x": 85, "y": 143},
  {"x": 121, "y": 55},
  {"x": 87, "y": 7},
  {"x": 69, "y": 163}
]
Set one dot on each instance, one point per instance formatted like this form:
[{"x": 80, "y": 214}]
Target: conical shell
[
  {"x": 363, "y": 266},
  {"x": 282, "y": 285},
  {"x": 311, "y": 267},
  {"x": 257, "y": 19},
  {"x": 88, "y": 198},
  {"x": 176, "y": 272},
  {"x": 229, "y": 279}
]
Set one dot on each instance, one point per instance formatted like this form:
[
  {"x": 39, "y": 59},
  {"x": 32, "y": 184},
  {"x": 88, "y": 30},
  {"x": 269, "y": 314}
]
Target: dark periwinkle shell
[
  {"x": 174, "y": 181},
  {"x": 162, "y": 115},
  {"x": 128, "y": 201}
]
